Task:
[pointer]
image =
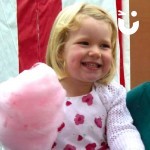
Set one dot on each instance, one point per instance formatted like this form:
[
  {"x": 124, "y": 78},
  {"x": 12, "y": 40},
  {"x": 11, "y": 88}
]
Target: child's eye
[
  {"x": 104, "y": 46},
  {"x": 84, "y": 43}
]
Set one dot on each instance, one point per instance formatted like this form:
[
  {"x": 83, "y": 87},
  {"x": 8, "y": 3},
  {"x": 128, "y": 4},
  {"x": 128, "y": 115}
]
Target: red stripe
[
  {"x": 34, "y": 18},
  {"x": 122, "y": 79}
]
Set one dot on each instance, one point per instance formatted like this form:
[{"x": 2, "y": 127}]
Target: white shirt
[{"x": 105, "y": 105}]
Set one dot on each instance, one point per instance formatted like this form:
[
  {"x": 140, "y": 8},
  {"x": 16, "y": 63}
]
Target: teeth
[{"x": 91, "y": 64}]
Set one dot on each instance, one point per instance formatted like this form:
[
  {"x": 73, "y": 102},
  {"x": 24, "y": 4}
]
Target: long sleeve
[{"x": 121, "y": 133}]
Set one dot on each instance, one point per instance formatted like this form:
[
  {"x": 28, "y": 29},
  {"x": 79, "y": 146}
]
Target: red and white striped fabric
[{"x": 24, "y": 30}]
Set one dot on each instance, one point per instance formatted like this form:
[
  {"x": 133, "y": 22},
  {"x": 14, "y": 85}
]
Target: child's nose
[{"x": 95, "y": 52}]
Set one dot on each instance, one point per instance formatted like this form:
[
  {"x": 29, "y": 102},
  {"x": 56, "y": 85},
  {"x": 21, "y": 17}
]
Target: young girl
[{"x": 82, "y": 51}]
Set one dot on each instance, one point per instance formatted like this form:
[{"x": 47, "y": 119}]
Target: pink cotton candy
[{"x": 31, "y": 109}]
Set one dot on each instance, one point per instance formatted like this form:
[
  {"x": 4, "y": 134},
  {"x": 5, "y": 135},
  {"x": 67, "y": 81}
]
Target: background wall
[{"x": 140, "y": 43}]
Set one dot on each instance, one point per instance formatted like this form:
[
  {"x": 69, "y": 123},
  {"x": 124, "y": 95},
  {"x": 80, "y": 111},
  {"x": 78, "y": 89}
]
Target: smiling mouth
[{"x": 91, "y": 65}]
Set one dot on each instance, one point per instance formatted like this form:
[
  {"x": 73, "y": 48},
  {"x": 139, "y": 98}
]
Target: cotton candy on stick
[{"x": 31, "y": 109}]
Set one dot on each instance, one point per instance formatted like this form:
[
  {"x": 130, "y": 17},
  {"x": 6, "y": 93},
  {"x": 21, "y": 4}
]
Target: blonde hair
[{"x": 69, "y": 19}]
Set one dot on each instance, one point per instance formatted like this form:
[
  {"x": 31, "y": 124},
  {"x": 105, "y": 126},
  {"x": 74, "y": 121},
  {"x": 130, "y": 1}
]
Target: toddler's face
[{"x": 88, "y": 51}]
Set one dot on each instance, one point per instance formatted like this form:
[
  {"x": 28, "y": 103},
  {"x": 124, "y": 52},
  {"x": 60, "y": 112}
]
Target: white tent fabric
[
  {"x": 126, "y": 46},
  {"x": 8, "y": 40}
]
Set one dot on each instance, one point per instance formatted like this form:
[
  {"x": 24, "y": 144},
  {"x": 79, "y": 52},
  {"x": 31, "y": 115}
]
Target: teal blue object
[{"x": 138, "y": 103}]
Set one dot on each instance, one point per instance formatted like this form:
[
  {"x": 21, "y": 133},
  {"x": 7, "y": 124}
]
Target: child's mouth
[{"x": 91, "y": 65}]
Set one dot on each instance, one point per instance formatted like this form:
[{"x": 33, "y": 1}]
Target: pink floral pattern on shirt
[
  {"x": 91, "y": 146},
  {"x": 79, "y": 119},
  {"x": 88, "y": 99},
  {"x": 98, "y": 122},
  {"x": 104, "y": 146},
  {"x": 69, "y": 147},
  {"x": 68, "y": 103},
  {"x": 61, "y": 127},
  {"x": 75, "y": 129},
  {"x": 80, "y": 137}
]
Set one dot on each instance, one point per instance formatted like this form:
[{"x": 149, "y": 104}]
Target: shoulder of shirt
[
  {"x": 110, "y": 86},
  {"x": 110, "y": 93}
]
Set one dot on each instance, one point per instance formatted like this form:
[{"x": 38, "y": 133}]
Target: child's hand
[{"x": 31, "y": 109}]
